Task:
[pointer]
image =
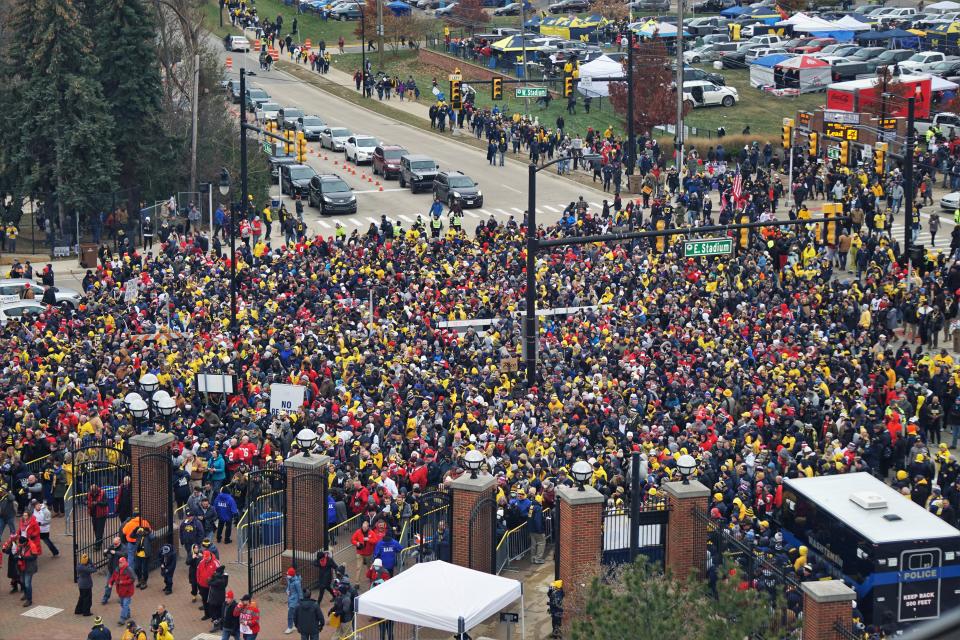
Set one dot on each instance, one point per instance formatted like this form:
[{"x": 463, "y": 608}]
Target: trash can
[
  {"x": 88, "y": 255},
  {"x": 271, "y": 528},
  {"x": 111, "y": 493},
  {"x": 633, "y": 183},
  {"x": 956, "y": 339}
]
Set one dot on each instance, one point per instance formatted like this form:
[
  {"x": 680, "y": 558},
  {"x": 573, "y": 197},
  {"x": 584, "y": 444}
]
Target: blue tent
[
  {"x": 733, "y": 12},
  {"x": 399, "y": 8},
  {"x": 897, "y": 38},
  {"x": 533, "y": 24},
  {"x": 773, "y": 59}
]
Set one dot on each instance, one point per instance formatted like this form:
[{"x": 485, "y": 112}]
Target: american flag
[{"x": 737, "y": 187}]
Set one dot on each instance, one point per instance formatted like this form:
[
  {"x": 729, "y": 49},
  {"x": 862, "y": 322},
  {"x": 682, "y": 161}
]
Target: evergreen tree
[
  {"x": 124, "y": 42},
  {"x": 640, "y": 602},
  {"x": 64, "y": 143}
]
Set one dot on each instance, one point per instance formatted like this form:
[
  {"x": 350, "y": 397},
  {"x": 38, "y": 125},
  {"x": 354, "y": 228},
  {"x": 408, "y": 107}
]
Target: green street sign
[
  {"x": 833, "y": 153},
  {"x": 531, "y": 92},
  {"x": 707, "y": 247},
  {"x": 267, "y": 148}
]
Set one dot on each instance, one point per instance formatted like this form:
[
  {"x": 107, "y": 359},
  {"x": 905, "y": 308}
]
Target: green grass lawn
[{"x": 309, "y": 24}]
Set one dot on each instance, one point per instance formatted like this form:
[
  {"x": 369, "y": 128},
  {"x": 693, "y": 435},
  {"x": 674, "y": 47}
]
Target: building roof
[{"x": 833, "y": 493}]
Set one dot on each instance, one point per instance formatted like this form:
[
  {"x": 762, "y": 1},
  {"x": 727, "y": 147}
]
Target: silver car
[
  {"x": 16, "y": 310},
  {"x": 15, "y": 286},
  {"x": 334, "y": 138}
]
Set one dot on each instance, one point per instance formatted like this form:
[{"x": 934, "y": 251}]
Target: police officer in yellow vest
[
  {"x": 456, "y": 221},
  {"x": 436, "y": 224},
  {"x": 956, "y": 217},
  {"x": 340, "y": 233}
]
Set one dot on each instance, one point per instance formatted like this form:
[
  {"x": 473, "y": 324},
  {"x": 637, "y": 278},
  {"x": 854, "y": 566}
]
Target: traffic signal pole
[
  {"x": 908, "y": 184},
  {"x": 790, "y": 151}
]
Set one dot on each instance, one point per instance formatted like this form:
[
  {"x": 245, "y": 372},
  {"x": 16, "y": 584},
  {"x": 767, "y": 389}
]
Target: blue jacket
[
  {"x": 219, "y": 216},
  {"x": 387, "y": 551},
  {"x": 217, "y": 468},
  {"x": 99, "y": 632},
  {"x": 294, "y": 591},
  {"x": 225, "y": 505}
]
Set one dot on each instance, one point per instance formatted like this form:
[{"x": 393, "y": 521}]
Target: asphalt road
[{"x": 504, "y": 188}]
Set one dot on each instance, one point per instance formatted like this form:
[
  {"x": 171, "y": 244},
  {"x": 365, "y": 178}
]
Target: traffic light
[
  {"x": 301, "y": 148},
  {"x": 567, "y": 86},
  {"x": 661, "y": 240},
  {"x": 830, "y": 233},
  {"x": 744, "y": 233},
  {"x": 787, "y": 132},
  {"x": 844, "y": 153},
  {"x": 496, "y": 92},
  {"x": 813, "y": 144},
  {"x": 288, "y": 145},
  {"x": 456, "y": 95},
  {"x": 879, "y": 155}
]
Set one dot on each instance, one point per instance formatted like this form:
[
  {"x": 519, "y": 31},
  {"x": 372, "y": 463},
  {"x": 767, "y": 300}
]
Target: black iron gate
[
  {"x": 98, "y": 474},
  {"x": 482, "y": 540},
  {"x": 556, "y": 540},
  {"x": 651, "y": 523},
  {"x": 433, "y": 528},
  {"x": 153, "y": 470},
  {"x": 265, "y": 530}
]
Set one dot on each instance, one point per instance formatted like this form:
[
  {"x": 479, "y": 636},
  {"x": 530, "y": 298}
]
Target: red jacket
[
  {"x": 206, "y": 568},
  {"x": 249, "y": 615},
  {"x": 97, "y": 505},
  {"x": 30, "y": 528},
  {"x": 124, "y": 580},
  {"x": 364, "y": 543}
]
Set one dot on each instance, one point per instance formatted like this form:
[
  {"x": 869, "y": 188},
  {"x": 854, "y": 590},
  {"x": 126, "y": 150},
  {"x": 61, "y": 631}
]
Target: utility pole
[
  {"x": 380, "y": 33},
  {"x": 523, "y": 52},
  {"x": 631, "y": 131},
  {"x": 908, "y": 184},
  {"x": 530, "y": 313},
  {"x": 193, "y": 127},
  {"x": 679, "y": 143},
  {"x": 235, "y": 218},
  {"x": 793, "y": 137}
]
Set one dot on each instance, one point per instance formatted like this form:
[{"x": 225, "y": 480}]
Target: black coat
[
  {"x": 309, "y": 618},
  {"x": 230, "y": 621},
  {"x": 218, "y": 586}
]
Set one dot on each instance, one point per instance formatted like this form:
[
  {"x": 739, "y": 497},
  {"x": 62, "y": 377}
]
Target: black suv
[
  {"x": 418, "y": 172},
  {"x": 453, "y": 186},
  {"x": 331, "y": 194},
  {"x": 569, "y": 6},
  {"x": 295, "y": 178}
]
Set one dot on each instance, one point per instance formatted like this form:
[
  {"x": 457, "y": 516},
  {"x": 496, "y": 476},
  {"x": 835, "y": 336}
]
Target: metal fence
[
  {"x": 384, "y": 630},
  {"x": 514, "y": 544},
  {"x": 651, "y": 524},
  {"x": 846, "y": 631},
  {"x": 339, "y": 536}
]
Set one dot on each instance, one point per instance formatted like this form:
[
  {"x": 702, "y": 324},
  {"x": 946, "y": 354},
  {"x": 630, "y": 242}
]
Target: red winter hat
[
  {"x": 230, "y": 594},
  {"x": 291, "y": 571}
]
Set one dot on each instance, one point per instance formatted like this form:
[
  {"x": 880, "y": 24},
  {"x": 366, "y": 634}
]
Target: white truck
[{"x": 947, "y": 123}]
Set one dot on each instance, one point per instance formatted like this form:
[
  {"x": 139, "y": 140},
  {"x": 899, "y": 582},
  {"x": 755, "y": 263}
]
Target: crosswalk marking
[
  {"x": 549, "y": 208},
  {"x": 371, "y": 219},
  {"x": 323, "y": 224},
  {"x": 405, "y": 218},
  {"x": 471, "y": 214},
  {"x": 502, "y": 212},
  {"x": 517, "y": 210},
  {"x": 597, "y": 205},
  {"x": 484, "y": 212}
]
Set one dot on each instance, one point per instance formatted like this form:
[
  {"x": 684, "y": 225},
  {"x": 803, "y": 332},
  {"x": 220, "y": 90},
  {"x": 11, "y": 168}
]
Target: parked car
[
  {"x": 275, "y": 162},
  {"x": 360, "y": 148},
  {"x": 453, "y": 186},
  {"x": 386, "y": 160},
  {"x": 948, "y": 124},
  {"x": 768, "y": 40},
  {"x": 897, "y": 15},
  {"x": 843, "y": 49},
  {"x": 512, "y": 9},
  {"x": 417, "y": 171},
  {"x": 736, "y": 59},
  {"x": 716, "y": 38},
  {"x": 951, "y": 201},
  {"x": 889, "y": 57},
  {"x": 691, "y": 74},
  {"x": 703, "y": 53},
  {"x": 569, "y": 6},
  {"x": 704, "y": 94},
  {"x": 921, "y": 61},
  {"x": 334, "y": 138},
  {"x": 295, "y": 178},
  {"x": 445, "y": 11},
  {"x": 311, "y": 126},
  {"x": 267, "y": 111},
  {"x": 346, "y": 11},
  {"x": 289, "y": 117},
  {"x": 814, "y": 45},
  {"x": 15, "y": 286},
  {"x": 23, "y": 309},
  {"x": 255, "y": 97},
  {"x": 236, "y": 43},
  {"x": 948, "y": 70},
  {"x": 762, "y": 51},
  {"x": 650, "y": 5},
  {"x": 709, "y": 6},
  {"x": 233, "y": 89}
]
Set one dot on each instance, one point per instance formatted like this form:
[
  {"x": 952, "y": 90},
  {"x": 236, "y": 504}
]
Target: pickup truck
[{"x": 947, "y": 123}]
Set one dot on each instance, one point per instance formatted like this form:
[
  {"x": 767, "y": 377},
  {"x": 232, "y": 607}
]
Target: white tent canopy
[
  {"x": 438, "y": 595},
  {"x": 946, "y": 5},
  {"x": 602, "y": 67},
  {"x": 850, "y": 23}
]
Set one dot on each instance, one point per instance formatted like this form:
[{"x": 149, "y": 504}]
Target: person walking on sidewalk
[
  {"x": 294, "y": 596},
  {"x": 229, "y": 621},
  {"x": 113, "y": 554},
  {"x": 125, "y": 582},
  {"x": 309, "y": 618},
  {"x": 27, "y": 552},
  {"x": 85, "y": 571}
]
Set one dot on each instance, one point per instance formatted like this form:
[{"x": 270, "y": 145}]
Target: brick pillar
[
  {"x": 467, "y": 492},
  {"x": 305, "y": 512},
  {"x": 581, "y": 543},
  {"x": 686, "y": 550},
  {"x": 150, "y": 497},
  {"x": 824, "y": 604}
]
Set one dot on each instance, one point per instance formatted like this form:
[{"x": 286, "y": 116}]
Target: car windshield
[
  {"x": 301, "y": 173},
  {"x": 312, "y": 122},
  {"x": 461, "y": 182},
  {"x": 292, "y": 113},
  {"x": 269, "y": 106},
  {"x": 340, "y": 133},
  {"x": 918, "y": 57},
  {"x": 422, "y": 165},
  {"x": 258, "y": 94},
  {"x": 366, "y": 142},
  {"x": 393, "y": 154},
  {"x": 336, "y": 186}
]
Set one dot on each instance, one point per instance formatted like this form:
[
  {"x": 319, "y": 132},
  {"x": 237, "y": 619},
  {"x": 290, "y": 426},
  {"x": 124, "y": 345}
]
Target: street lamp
[
  {"x": 224, "y": 190},
  {"x": 581, "y": 472},
  {"x": 686, "y": 464},
  {"x": 472, "y": 461},
  {"x": 363, "y": 50},
  {"x": 306, "y": 439},
  {"x": 160, "y": 402}
]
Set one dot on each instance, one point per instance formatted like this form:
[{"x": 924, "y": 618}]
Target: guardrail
[
  {"x": 242, "y": 539},
  {"x": 514, "y": 544},
  {"x": 339, "y": 536}
]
